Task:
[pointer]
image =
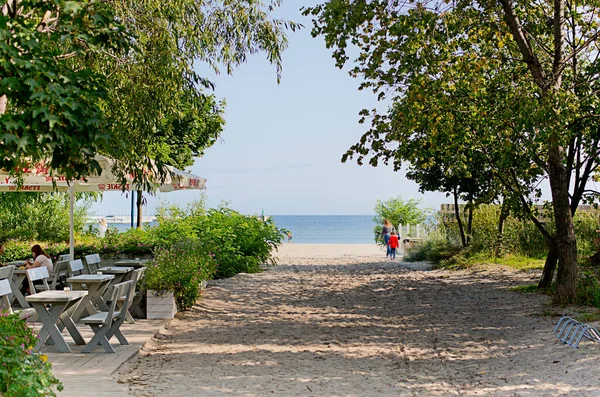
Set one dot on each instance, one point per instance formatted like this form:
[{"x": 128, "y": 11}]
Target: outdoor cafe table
[
  {"x": 96, "y": 285},
  {"x": 117, "y": 271},
  {"x": 19, "y": 276},
  {"x": 53, "y": 307},
  {"x": 15, "y": 263},
  {"x": 135, "y": 263}
]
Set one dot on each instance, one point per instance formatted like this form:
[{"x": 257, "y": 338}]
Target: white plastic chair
[
  {"x": 6, "y": 272},
  {"x": 92, "y": 262},
  {"x": 25, "y": 314},
  {"x": 76, "y": 268},
  {"x": 60, "y": 269},
  {"x": 38, "y": 274}
]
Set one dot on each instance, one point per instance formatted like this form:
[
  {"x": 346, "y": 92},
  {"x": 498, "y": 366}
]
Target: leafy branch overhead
[
  {"x": 122, "y": 78},
  {"x": 162, "y": 107},
  {"x": 49, "y": 107}
]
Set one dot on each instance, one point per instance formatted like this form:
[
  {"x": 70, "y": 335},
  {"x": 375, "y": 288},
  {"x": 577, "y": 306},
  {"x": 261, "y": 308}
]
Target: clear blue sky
[{"x": 281, "y": 148}]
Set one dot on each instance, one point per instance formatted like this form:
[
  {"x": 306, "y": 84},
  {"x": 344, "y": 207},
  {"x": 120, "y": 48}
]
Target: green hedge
[{"x": 213, "y": 243}]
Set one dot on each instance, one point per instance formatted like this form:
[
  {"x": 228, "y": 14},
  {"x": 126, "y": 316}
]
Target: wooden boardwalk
[{"x": 91, "y": 374}]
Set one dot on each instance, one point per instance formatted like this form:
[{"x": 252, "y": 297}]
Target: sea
[
  {"x": 319, "y": 229},
  {"x": 328, "y": 229}
]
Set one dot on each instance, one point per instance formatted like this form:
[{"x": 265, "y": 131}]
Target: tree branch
[
  {"x": 559, "y": 41},
  {"x": 533, "y": 63}
]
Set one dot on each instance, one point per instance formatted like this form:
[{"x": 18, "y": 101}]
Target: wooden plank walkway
[{"x": 91, "y": 374}]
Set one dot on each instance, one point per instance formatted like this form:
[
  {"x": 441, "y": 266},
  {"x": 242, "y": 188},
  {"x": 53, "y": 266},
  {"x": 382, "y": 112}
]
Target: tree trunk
[
  {"x": 500, "y": 231},
  {"x": 470, "y": 223},
  {"x": 565, "y": 242},
  {"x": 139, "y": 209},
  {"x": 549, "y": 267},
  {"x": 458, "y": 219}
]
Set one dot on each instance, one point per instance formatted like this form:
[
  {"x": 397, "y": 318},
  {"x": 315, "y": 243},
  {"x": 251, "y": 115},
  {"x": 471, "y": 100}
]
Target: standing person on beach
[
  {"x": 393, "y": 244},
  {"x": 386, "y": 232},
  {"x": 102, "y": 227},
  {"x": 289, "y": 236}
]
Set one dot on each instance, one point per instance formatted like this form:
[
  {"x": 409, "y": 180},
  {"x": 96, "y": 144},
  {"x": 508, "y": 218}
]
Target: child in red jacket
[{"x": 393, "y": 243}]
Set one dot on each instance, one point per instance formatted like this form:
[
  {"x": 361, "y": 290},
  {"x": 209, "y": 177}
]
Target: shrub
[
  {"x": 174, "y": 224},
  {"x": 240, "y": 243},
  {"x": 434, "y": 251},
  {"x": 180, "y": 268},
  {"x": 22, "y": 373},
  {"x": 588, "y": 289}
]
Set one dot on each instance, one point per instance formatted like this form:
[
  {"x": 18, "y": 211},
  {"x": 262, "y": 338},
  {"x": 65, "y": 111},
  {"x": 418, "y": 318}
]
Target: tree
[
  {"x": 397, "y": 211},
  {"x": 120, "y": 78},
  {"x": 40, "y": 216},
  {"x": 49, "y": 98},
  {"x": 519, "y": 79},
  {"x": 162, "y": 108}
]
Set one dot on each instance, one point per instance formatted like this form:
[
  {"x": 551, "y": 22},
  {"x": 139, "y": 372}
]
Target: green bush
[
  {"x": 174, "y": 224},
  {"x": 240, "y": 243},
  {"x": 586, "y": 224},
  {"x": 588, "y": 289},
  {"x": 180, "y": 268},
  {"x": 22, "y": 373},
  {"x": 133, "y": 242},
  {"x": 205, "y": 243}
]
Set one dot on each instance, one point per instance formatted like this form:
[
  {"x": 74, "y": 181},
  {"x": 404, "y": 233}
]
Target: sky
[{"x": 282, "y": 145}]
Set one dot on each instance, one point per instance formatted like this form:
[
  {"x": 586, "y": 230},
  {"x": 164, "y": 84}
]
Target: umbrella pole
[
  {"x": 132, "y": 204},
  {"x": 71, "y": 220}
]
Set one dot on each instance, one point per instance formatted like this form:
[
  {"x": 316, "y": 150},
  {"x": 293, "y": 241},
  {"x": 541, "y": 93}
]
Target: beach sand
[{"x": 341, "y": 320}]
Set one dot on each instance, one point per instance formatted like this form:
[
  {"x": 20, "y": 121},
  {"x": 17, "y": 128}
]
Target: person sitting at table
[{"x": 40, "y": 258}]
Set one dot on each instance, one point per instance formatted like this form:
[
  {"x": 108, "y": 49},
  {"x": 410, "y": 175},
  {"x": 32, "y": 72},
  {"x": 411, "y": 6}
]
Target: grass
[
  {"x": 526, "y": 289},
  {"x": 447, "y": 256},
  {"x": 587, "y": 317},
  {"x": 517, "y": 262}
]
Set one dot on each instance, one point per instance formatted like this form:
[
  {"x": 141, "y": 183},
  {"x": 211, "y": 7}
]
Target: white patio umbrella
[{"x": 37, "y": 179}]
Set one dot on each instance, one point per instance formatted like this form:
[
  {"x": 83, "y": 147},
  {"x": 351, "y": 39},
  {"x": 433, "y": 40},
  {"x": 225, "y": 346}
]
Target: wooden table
[
  {"x": 53, "y": 307},
  {"x": 19, "y": 276},
  {"x": 135, "y": 263},
  {"x": 118, "y": 271},
  {"x": 15, "y": 263},
  {"x": 95, "y": 285},
  {"x": 121, "y": 274}
]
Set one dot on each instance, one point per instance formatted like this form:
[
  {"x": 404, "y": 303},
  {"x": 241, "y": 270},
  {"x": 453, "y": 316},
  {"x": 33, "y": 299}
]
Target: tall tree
[
  {"x": 521, "y": 74},
  {"x": 163, "y": 109}
]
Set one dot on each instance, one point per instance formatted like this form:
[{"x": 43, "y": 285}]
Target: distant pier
[{"x": 121, "y": 219}]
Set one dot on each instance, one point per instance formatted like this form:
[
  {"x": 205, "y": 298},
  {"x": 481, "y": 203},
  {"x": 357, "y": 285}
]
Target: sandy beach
[{"x": 341, "y": 320}]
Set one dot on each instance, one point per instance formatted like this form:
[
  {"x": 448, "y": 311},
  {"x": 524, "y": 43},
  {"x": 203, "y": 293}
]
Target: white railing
[{"x": 415, "y": 231}]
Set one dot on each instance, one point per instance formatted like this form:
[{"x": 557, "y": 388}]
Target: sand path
[{"x": 332, "y": 322}]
